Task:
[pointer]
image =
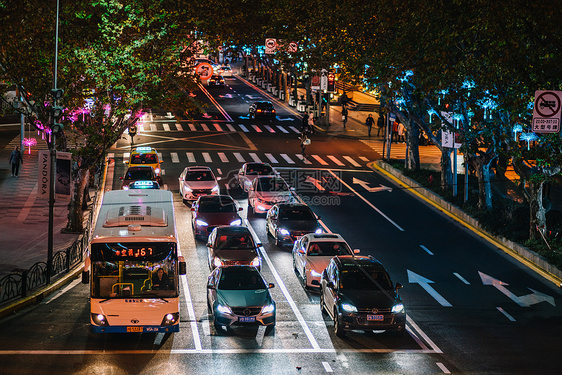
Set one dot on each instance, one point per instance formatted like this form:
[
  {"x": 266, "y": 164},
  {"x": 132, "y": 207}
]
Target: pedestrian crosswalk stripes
[
  {"x": 145, "y": 127},
  {"x": 333, "y": 161},
  {"x": 398, "y": 150}
]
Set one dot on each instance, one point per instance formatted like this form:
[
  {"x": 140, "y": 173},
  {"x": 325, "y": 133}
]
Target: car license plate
[
  {"x": 134, "y": 329},
  {"x": 376, "y": 318},
  {"x": 247, "y": 319}
]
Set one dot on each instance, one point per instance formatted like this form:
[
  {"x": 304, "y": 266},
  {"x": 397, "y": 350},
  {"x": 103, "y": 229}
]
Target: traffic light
[
  {"x": 57, "y": 94},
  {"x": 132, "y": 130},
  {"x": 56, "y": 113}
]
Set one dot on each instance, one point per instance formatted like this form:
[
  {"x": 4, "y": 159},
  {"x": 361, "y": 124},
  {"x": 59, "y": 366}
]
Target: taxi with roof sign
[{"x": 145, "y": 156}]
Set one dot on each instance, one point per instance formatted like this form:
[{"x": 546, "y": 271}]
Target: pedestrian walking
[
  {"x": 311, "y": 123},
  {"x": 394, "y": 134},
  {"x": 305, "y": 141},
  {"x": 380, "y": 124},
  {"x": 401, "y": 133},
  {"x": 15, "y": 160},
  {"x": 344, "y": 115},
  {"x": 304, "y": 122},
  {"x": 369, "y": 122}
]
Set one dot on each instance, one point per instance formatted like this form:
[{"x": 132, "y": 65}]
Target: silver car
[{"x": 197, "y": 181}]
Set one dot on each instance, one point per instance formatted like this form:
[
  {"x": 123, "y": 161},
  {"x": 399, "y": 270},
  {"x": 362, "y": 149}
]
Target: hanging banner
[{"x": 63, "y": 179}]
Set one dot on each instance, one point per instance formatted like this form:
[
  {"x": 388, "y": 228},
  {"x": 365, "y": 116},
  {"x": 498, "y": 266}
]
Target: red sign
[{"x": 204, "y": 70}]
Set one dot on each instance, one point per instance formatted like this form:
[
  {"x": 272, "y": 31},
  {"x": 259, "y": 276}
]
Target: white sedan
[
  {"x": 197, "y": 181},
  {"x": 312, "y": 254}
]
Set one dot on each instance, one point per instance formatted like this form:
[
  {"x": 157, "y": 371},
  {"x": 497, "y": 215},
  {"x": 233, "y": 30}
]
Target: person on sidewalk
[
  {"x": 304, "y": 121},
  {"x": 380, "y": 124},
  {"x": 369, "y": 122},
  {"x": 15, "y": 160},
  {"x": 394, "y": 134},
  {"x": 401, "y": 133},
  {"x": 311, "y": 123},
  {"x": 344, "y": 113}
]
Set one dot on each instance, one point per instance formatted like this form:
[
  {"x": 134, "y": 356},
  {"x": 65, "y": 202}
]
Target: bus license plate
[
  {"x": 247, "y": 319},
  {"x": 376, "y": 318},
  {"x": 134, "y": 329}
]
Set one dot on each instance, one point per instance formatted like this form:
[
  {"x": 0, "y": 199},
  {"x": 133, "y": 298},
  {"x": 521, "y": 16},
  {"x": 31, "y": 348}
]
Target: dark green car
[{"x": 238, "y": 295}]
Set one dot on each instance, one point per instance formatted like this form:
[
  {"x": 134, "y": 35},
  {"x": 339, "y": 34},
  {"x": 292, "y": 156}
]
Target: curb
[{"x": 520, "y": 253}]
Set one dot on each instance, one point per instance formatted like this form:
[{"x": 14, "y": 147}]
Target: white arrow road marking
[
  {"x": 315, "y": 182},
  {"x": 285, "y": 119},
  {"x": 523, "y": 301},
  {"x": 366, "y": 186},
  {"x": 414, "y": 278}
]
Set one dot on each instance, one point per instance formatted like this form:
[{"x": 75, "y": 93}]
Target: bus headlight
[
  {"x": 170, "y": 319},
  {"x": 99, "y": 319}
]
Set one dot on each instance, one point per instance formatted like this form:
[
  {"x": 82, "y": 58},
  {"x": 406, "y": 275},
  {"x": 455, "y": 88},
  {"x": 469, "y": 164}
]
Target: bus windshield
[{"x": 134, "y": 270}]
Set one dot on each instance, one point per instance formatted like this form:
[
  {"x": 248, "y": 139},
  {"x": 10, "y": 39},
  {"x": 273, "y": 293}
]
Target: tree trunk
[
  {"x": 75, "y": 222},
  {"x": 537, "y": 210},
  {"x": 413, "y": 155},
  {"x": 446, "y": 171},
  {"x": 484, "y": 186}
]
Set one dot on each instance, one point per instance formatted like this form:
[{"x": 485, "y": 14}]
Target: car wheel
[
  {"x": 295, "y": 266},
  {"x": 277, "y": 242},
  {"x": 270, "y": 328},
  {"x": 250, "y": 209},
  {"x": 338, "y": 325},
  {"x": 218, "y": 327},
  {"x": 305, "y": 277}
]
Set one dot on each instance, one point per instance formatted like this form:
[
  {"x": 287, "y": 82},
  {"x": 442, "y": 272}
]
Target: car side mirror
[
  {"x": 399, "y": 286},
  {"x": 300, "y": 251},
  {"x": 258, "y": 244},
  {"x": 356, "y": 251},
  {"x": 85, "y": 277},
  {"x": 209, "y": 244},
  {"x": 240, "y": 208},
  {"x": 271, "y": 285},
  {"x": 183, "y": 268}
]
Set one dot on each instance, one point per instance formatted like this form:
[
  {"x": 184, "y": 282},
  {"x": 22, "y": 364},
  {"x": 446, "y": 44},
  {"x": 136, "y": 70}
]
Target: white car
[
  {"x": 312, "y": 254},
  {"x": 249, "y": 171},
  {"x": 266, "y": 191},
  {"x": 225, "y": 71},
  {"x": 197, "y": 181}
]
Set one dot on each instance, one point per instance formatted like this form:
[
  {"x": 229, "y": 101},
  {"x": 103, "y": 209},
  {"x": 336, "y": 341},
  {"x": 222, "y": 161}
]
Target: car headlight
[
  {"x": 224, "y": 309},
  {"x": 247, "y": 183},
  {"x": 201, "y": 223},
  {"x": 348, "y": 307},
  {"x": 215, "y": 189},
  {"x": 157, "y": 170},
  {"x": 236, "y": 222},
  {"x": 267, "y": 309},
  {"x": 315, "y": 274},
  {"x": 398, "y": 308},
  {"x": 255, "y": 262},
  {"x": 284, "y": 232},
  {"x": 99, "y": 319},
  {"x": 217, "y": 262},
  {"x": 125, "y": 188},
  {"x": 318, "y": 231},
  {"x": 187, "y": 189}
]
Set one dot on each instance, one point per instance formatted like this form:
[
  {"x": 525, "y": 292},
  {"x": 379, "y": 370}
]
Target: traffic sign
[
  {"x": 205, "y": 70},
  {"x": 546, "y": 112},
  {"x": 270, "y": 45}
]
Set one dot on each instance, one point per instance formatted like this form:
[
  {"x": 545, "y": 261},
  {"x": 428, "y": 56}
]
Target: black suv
[
  {"x": 356, "y": 291},
  {"x": 262, "y": 109},
  {"x": 287, "y": 222}
]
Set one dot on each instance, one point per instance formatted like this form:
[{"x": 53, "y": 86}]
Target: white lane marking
[
  {"x": 335, "y": 160},
  {"x": 230, "y": 127},
  {"x": 190, "y": 157},
  {"x": 426, "y": 338},
  {"x": 153, "y": 127},
  {"x": 126, "y": 157},
  {"x": 283, "y": 130},
  {"x": 159, "y": 156},
  {"x": 223, "y": 157},
  {"x": 327, "y": 367},
  {"x": 443, "y": 368},
  {"x": 244, "y": 129},
  {"x": 366, "y": 201},
  {"x": 352, "y": 161},
  {"x": 461, "y": 278},
  {"x": 205, "y": 127},
  {"x": 294, "y": 129},
  {"x": 269, "y": 128},
  {"x": 191, "y": 312},
  {"x": 255, "y": 157},
  {"x": 179, "y": 127},
  {"x": 192, "y": 127},
  {"x": 319, "y": 159},
  {"x": 363, "y": 158},
  {"x": 306, "y": 161},
  {"x": 166, "y": 127},
  {"x": 62, "y": 291},
  {"x": 506, "y": 314},
  {"x": 175, "y": 157},
  {"x": 287, "y": 158},
  {"x": 219, "y": 171},
  {"x": 217, "y": 126},
  {"x": 285, "y": 292},
  {"x": 271, "y": 158},
  {"x": 207, "y": 157},
  {"x": 257, "y": 129},
  {"x": 239, "y": 157},
  {"x": 426, "y": 250}
]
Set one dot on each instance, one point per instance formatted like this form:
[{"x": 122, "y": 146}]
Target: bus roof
[{"x": 136, "y": 216}]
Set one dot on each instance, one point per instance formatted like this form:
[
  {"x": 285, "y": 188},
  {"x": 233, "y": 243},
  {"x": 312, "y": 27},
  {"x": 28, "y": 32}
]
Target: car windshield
[
  {"x": 217, "y": 206},
  {"x": 329, "y": 249},
  {"x": 264, "y": 105},
  {"x": 144, "y": 159},
  {"x": 235, "y": 278},
  {"x": 235, "y": 242},
  {"x": 272, "y": 184},
  {"x": 139, "y": 174},
  {"x": 258, "y": 169},
  {"x": 301, "y": 213},
  {"x": 364, "y": 278},
  {"x": 199, "y": 176}
]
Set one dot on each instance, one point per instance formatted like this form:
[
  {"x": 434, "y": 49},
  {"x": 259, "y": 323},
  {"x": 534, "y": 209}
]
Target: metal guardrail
[{"x": 20, "y": 283}]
